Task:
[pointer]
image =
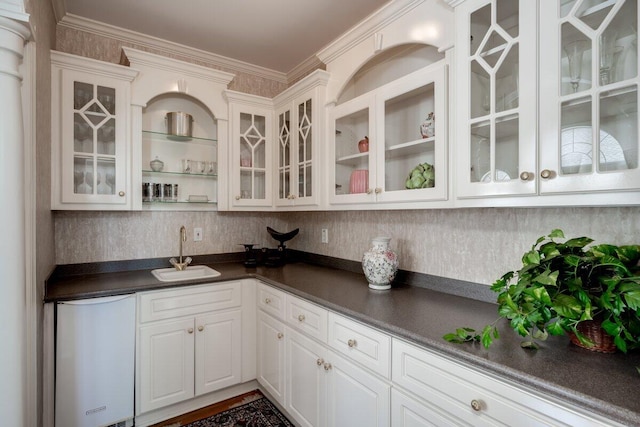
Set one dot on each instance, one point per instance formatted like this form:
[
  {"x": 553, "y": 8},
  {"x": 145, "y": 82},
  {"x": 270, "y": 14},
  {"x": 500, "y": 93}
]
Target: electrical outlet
[
  {"x": 325, "y": 235},
  {"x": 197, "y": 234}
]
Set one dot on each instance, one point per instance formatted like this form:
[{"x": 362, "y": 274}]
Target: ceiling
[{"x": 275, "y": 34}]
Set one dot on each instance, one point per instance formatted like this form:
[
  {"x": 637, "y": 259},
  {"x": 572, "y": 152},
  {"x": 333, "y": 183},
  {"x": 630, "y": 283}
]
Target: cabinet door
[
  {"x": 406, "y": 412},
  {"x": 251, "y": 149},
  {"x": 305, "y": 377},
  {"x": 297, "y": 153},
  {"x": 352, "y": 164},
  {"x": 496, "y": 102},
  {"x": 218, "y": 351},
  {"x": 166, "y": 363},
  {"x": 271, "y": 355},
  {"x": 94, "y": 139},
  {"x": 589, "y": 114},
  {"x": 416, "y": 98},
  {"x": 355, "y": 397}
]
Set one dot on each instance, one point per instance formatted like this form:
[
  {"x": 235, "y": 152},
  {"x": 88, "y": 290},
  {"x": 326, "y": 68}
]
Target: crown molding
[
  {"x": 311, "y": 81},
  {"x": 368, "y": 26},
  {"x": 168, "y": 47},
  {"x": 454, "y": 3},
  {"x": 305, "y": 67},
  {"x": 248, "y": 99},
  {"x": 140, "y": 58},
  {"x": 75, "y": 62}
]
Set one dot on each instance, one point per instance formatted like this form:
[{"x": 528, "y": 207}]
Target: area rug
[{"x": 258, "y": 413}]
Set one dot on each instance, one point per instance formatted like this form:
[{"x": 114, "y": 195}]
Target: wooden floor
[{"x": 208, "y": 411}]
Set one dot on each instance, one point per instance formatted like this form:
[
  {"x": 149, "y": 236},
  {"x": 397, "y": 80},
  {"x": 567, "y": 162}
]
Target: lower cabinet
[
  {"x": 270, "y": 361},
  {"x": 408, "y": 412},
  {"x": 195, "y": 349}
]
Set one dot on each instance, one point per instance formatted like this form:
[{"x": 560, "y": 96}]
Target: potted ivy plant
[{"x": 591, "y": 293}]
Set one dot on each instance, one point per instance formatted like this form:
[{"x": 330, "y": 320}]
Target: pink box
[{"x": 359, "y": 181}]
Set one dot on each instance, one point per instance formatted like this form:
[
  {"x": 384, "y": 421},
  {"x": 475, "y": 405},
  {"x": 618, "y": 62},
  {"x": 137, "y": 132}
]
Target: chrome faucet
[{"x": 179, "y": 265}]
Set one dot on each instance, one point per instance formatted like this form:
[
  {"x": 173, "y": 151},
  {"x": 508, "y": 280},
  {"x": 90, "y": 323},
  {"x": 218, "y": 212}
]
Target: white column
[{"x": 13, "y": 34}]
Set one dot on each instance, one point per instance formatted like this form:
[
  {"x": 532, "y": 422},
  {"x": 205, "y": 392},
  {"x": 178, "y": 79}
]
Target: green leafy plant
[{"x": 565, "y": 282}]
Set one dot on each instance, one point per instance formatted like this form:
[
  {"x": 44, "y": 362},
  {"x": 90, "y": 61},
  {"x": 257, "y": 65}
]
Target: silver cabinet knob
[
  {"x": 121, "y": 194},
  {"x": 476, "y": 405},
  {"x": 369, "y": 191},
  {"x": 237, "y": 197},
  {"x": 352, "y": 343},
  {"x": 526, "y": 176},
  {"x": 378, "y": 190},
  {"x": 280, "y": 335},
  {"x": 190, "y": 330},
  {"x": 201, "y": 328},
  {"x": 546, "y": 174},
  {"x": 301, "y": 318},
  {"x": 267, "y": 300},
  {"x": 319, "y": 362},
  {"x": 327, "y": 366}
]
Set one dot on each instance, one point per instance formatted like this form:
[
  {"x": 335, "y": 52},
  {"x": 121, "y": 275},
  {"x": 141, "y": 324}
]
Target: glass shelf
[
  {"x": 183, "y": 174},
  {"x": 170, "y": 137},
  {"x": 178, "y": 202},
  {"x": 353, "y": 159}
]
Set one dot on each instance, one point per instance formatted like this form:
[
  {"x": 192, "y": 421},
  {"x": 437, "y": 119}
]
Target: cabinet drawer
[
  {"x": 271, "y": 300},
  {"x": 307, "y": 317},
  {"x": 189, "y": 301},
  {"x": 455, "y": 388},
  {"x": 361, "y": 343}
]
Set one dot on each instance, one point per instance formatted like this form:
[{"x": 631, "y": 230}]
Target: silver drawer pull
[
  {"x": 327, "y": 366},
  {"x": 352, "y": 343},
  {"x": 319, "y": 362},
  {"x": 267, "y": 300},
  {"x": 301, "y": 317},
  {"x": 476, "y": 405},
  {"x": 190, "y": 330},
  {"x": 201, "y": 328},
  {"x": 280, "y": 335}
]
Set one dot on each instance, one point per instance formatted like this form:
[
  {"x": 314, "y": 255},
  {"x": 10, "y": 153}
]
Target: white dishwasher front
[{"x": 95, "y": 359}]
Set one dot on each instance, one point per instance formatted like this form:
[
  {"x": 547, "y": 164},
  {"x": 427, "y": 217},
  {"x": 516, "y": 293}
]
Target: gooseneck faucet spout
[{"x": 180, "y": 265}]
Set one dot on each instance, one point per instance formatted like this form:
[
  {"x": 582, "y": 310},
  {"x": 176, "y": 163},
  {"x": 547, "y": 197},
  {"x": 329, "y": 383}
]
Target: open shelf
[
  {"x": 353, "y": 159},
  {"x": 176, "y": 138},
  {"x": 411, "y": 148}
]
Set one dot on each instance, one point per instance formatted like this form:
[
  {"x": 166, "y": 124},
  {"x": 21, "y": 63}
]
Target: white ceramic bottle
[{"x": 380, "y": 264}]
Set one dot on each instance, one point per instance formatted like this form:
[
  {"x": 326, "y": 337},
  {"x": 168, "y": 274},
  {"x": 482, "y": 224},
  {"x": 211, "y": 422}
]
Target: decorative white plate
[{"x": 500, "y": 176}]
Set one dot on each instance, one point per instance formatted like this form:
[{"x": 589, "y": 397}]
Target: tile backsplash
[{"x": 476, "y": 245}]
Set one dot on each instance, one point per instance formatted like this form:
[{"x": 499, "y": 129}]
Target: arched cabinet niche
[
  {"x": 179, "y": 153},
  {"x": 388, "y": 130},
  {"x": 191, "y": 160}
]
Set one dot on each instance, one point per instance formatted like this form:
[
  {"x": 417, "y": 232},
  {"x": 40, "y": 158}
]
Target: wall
[
  {"x": 110, "y": 236},
  {"x": 477, "y": 245}
]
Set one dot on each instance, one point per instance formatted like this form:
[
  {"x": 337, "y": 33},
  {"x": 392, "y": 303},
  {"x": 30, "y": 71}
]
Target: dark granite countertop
[{"x": 606, "y": 384}]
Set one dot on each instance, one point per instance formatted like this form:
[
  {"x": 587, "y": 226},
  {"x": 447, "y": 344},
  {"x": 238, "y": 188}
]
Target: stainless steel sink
[{"x": 192, "y": 272}]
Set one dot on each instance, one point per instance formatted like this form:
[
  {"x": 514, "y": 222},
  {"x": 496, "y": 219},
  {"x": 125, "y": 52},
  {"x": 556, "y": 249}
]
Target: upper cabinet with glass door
[
  {"x": 299, "y": 134},
  {"x": 496, "y": 85},
  {"x": 589, "y": 95},
  {"x": 250, "y": 169},
  {"x": 389, "y": 144},
  {"x": 90, "y": 134}
]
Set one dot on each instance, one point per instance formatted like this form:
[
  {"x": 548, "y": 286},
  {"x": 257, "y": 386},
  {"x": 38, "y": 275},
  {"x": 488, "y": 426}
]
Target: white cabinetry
[
  {"x": 496, "y": 98},
  {"x": 455, "y": 394},
  {"x": 91, "y": 146},
  {"x": 589, "y": 115},
  {"x": 390, "y": 117},
  {"x": 251, "y": 148},
  {"x": 567, "y": 124},
  {"x": 300, "y": 129},
  {"x": 271, "y": 343},
  {"x": 321, "y": 387},
  {"x": 189, "y": 343},
  {"x": 167, "y": 85}
]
